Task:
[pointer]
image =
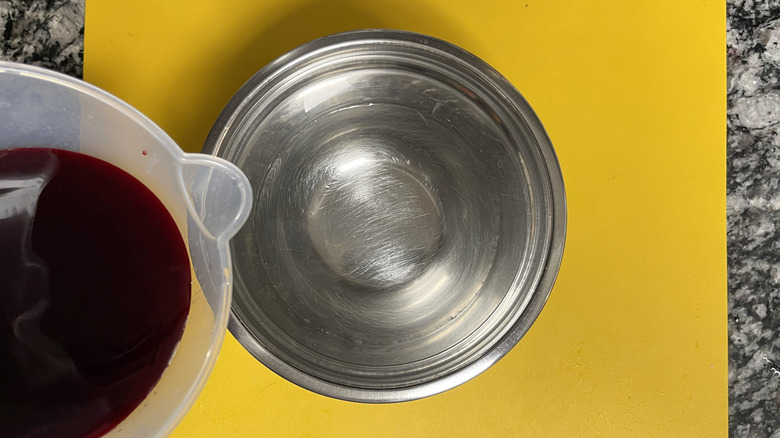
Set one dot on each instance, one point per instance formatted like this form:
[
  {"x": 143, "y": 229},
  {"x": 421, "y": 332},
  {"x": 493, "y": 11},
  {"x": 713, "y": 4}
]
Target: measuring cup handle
[{"x": 219, "y": 194}]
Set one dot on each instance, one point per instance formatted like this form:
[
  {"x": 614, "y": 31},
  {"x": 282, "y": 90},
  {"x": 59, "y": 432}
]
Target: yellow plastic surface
[{"x": 633, "y": 341}]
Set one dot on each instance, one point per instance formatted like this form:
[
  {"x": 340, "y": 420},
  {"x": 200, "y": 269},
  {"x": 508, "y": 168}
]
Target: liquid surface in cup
[{"x": 94, "y": 293}]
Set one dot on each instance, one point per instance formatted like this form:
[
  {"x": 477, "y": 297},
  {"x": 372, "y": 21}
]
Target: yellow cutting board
[{"x": 633, "y": 341}]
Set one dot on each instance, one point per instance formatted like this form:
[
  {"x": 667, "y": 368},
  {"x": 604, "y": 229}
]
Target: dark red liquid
[{"x": 94, "y": 293}]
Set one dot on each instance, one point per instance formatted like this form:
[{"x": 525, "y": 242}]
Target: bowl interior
[{"x": 402, "y": 214}]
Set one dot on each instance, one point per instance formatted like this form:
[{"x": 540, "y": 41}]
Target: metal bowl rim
[{"x": 232, "y": 112}]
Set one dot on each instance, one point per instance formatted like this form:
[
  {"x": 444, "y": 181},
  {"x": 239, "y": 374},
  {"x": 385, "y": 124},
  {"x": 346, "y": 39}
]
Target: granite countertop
[
  {"x": 753, "y": 214},
  {"x": 49, "y": 33},
  {"x": 46, "y": 33}
]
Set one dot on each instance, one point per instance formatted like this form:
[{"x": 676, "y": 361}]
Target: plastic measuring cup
[{"x": 209, "y": 199}]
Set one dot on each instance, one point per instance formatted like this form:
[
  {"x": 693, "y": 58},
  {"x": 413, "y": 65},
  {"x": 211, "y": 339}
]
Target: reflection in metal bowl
[{"x": 409, "y": 215}]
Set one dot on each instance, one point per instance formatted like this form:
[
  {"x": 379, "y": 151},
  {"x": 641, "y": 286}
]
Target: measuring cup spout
[{"x": 219, "y": 194}]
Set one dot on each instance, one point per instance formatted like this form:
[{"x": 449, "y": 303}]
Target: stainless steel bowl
[{"x": 409, "y": 215}]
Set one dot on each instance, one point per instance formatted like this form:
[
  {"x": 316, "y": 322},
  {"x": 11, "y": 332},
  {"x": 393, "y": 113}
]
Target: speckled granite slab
[
  {"x": 47, "y": 33},
  {"x": 753, "y": 53}
]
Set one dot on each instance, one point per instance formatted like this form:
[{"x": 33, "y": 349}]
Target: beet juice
[{"x": 94, "y": 293}]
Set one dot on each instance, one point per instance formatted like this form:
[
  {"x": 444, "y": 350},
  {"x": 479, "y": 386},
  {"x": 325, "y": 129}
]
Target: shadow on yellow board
[{"x": 633, "y": 339}]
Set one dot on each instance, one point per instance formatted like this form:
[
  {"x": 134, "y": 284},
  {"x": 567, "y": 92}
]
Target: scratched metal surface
[{"x": 407, "y": 217}]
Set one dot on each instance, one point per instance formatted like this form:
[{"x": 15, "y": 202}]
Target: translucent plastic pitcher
[{"x": 208, "y": 198}]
